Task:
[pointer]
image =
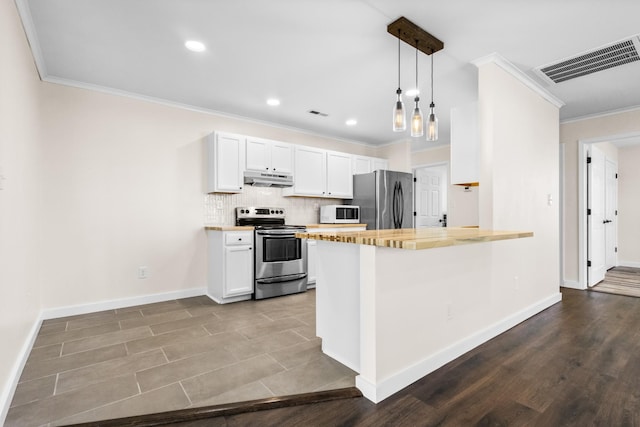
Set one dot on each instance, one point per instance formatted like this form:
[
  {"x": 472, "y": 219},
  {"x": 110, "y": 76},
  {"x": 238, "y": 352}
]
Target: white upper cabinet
[
  {"x": 380, "y": 164},
  {"x": 361, "y": 164},
  {"x": 309, "y": 171},
  {"x": 366, "y": 164},
  {"x": 225, "y": 162},
  {"x": 321, "y": 173},
  {"x": 265, "y": 155},
  {"x": 465, "y": 141},
  {"x": 339, "y": 175}
]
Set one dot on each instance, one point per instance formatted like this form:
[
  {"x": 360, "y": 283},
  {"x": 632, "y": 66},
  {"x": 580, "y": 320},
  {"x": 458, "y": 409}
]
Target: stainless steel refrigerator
[{"x": 385, "y": 199}]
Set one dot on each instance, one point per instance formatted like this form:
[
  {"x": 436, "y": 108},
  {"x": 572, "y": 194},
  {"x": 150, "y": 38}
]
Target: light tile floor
[{"x": 172, "y": 355}]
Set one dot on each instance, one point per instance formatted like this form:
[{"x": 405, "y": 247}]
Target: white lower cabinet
[
  {"x": 311, "y": 250},
  {"x": 230, "y": 276},
  {"x": 311, "y": 263}
]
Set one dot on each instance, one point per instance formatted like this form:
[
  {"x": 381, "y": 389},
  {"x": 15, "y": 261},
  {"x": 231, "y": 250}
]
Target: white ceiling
[{"x": 333, "y": 56}]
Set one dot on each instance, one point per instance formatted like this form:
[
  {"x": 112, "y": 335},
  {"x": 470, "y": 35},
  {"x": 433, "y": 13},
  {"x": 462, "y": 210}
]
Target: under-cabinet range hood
[{"x": 268, "y": 179}]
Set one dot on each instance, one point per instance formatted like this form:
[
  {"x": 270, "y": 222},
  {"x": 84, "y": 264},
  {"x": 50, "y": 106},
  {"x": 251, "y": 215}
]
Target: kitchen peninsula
[{"x": 394, "y": 305}]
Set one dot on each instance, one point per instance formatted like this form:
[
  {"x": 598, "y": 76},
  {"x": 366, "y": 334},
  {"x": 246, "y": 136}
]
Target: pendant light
[
  {"x": 416, "y": 118},
  {"x": 432, "y": 122},
  {"x": 399, "y": 116}
]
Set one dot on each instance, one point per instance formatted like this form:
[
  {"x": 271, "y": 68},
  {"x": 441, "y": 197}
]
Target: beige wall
[
  {"x": 398, "y": 154},
  {"x": 519, "y": 171},
  {"x": 462, "y": 209},
  {"x": 97, "y": 185},
  {"x": 125, "y": 189},
  {"x": 21, "y": 219},
  {"x": 602, "y": 128},
  {"x": 629, "y": 206}
]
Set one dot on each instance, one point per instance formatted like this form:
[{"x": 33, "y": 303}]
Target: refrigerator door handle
[
  {"x": 394, "y": 205},
  {"x": 401, "y": 204}
]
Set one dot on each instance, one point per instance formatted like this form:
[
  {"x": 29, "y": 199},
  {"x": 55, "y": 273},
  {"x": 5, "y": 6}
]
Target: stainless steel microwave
[{"x": 340, "y": 214}]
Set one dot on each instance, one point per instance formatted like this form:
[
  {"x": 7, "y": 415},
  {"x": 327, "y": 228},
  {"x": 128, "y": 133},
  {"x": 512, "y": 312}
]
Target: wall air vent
[
  {"x": 318, "y": 113},
  {"x": 610, "y": 56}
]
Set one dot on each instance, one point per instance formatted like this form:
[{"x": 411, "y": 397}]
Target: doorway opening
[
  {"x": 597, "y": 230},
  {"x": 431, "y": 197}
]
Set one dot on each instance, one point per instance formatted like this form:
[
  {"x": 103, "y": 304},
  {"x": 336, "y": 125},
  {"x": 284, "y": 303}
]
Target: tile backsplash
[{"x": 219, "y": 208}]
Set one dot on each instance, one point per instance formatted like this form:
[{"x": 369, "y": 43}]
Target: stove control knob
[
  {"x": 272, "y": 211},
  {"x": 281, "y": 212}
]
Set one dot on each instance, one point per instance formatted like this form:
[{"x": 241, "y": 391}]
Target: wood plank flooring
[
  {"x": 575, "y": 364},
  {"x": 620, "y": 281}
]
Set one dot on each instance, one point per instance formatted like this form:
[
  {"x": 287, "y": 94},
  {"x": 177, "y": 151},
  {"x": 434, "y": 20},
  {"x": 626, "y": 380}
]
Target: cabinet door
[
  {"x": 258, "y": 154},
  {"x": 228, "y": 163},
  {"x": 379, "y": 164},
  {"x": 238, "y": 268},
  {"x": 361, "y": 164},
  {"x": 310, "y": 172},
  {"x": 465, "y": 163},
  {"x": 339, "y": 175},
  {"x": 281, "y": 157},
  {"x": 311, "y": 261}
]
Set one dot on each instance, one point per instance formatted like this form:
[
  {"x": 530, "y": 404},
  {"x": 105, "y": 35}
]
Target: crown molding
[
  {"x": 502, "y": 62},
  {"x": 602, "y": 114}
]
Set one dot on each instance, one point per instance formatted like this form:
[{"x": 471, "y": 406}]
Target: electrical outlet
[{"x": 143, "y": 272}]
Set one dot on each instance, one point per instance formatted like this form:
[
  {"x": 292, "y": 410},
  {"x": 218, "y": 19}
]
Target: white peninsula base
[{"x": 395, "y": 315}]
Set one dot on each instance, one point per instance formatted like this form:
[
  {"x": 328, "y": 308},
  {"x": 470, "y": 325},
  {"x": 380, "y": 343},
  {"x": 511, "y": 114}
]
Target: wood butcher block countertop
[
  {"x": 335, "y": 225},
  {"x": 229, "y": 227},
  {"x": 421, "y": 238}
]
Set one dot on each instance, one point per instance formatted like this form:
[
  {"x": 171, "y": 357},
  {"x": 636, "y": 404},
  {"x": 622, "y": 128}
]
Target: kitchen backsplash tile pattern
[{"x": 219, "y": 209}]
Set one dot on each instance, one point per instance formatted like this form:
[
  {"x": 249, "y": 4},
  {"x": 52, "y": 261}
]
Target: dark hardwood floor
[{"x": 575, "y": 364}]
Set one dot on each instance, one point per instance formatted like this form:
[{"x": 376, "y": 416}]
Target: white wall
[
  {"x": 519, "y": 170},
  {"x": 607, "y": 126},
  {"x": 21, "y": 219},
  {"x": 462, "y": 206},
  {"x": 97, "y": 185},
  {"x": 629, "y": 206}
]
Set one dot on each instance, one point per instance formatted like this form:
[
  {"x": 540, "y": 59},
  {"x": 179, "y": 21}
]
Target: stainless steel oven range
[{"x": 280, "y": 258}]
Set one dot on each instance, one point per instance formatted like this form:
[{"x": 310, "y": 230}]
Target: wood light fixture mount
[{"x": 415, "y": 36}]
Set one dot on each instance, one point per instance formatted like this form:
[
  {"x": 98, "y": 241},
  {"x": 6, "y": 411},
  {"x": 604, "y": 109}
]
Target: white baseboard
[
  {"x": 53, "y": 313},
  {"x": 573, "y": 284},
  {"x": 385, "y": 388},
  {"x": 10, "y": 386},
  {"x": 633, "y": 264}
]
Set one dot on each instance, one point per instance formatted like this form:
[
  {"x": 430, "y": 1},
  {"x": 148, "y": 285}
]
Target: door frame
[
  {"x": 446, "y": 187},
  {"x": 583, "y": 145}
]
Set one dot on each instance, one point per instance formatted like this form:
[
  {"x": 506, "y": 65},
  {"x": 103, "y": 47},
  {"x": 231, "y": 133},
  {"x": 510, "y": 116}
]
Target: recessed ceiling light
[
  {"x": 413, "y": 92},
  {"x": 195, "y": 46},
  {"x": 351, "y": 122},
  {"x": 273, "y": 102}
]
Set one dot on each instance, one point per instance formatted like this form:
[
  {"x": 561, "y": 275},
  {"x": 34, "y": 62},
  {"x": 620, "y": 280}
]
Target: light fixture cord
[
  {"x": 416, "y": 68},
  {"x": 398, "y": 59},
  {"x": 432, "y": 76}
]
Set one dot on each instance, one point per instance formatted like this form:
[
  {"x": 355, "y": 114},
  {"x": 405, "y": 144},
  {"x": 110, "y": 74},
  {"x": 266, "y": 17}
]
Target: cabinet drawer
[{"x": 238, "y": 238}]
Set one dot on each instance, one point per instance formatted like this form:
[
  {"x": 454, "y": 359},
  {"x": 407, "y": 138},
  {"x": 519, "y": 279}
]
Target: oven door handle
[
  {"x": 279, "y": 236},
  {"x": 289, "y": 278},
  {"x": 276, "y": 233}
]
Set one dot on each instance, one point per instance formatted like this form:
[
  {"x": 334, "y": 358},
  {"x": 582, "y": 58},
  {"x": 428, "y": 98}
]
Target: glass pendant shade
[
  {"x": 399, "y": 116},
  {"x": 432, "y": 124},
  {"x": 416, "y": 120}
]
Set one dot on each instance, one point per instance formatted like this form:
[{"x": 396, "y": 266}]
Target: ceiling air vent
[{"x": 604, "y": 58}]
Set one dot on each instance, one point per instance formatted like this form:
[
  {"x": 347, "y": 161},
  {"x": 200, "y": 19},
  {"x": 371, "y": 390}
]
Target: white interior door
[
  {"x": 596, "y": 241},
  {"x": 431, "y": 196},
  {"x": 610, "y": 214}
]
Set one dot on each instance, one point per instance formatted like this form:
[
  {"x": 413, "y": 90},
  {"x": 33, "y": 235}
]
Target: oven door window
[{"x": 281, "y": 249}]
